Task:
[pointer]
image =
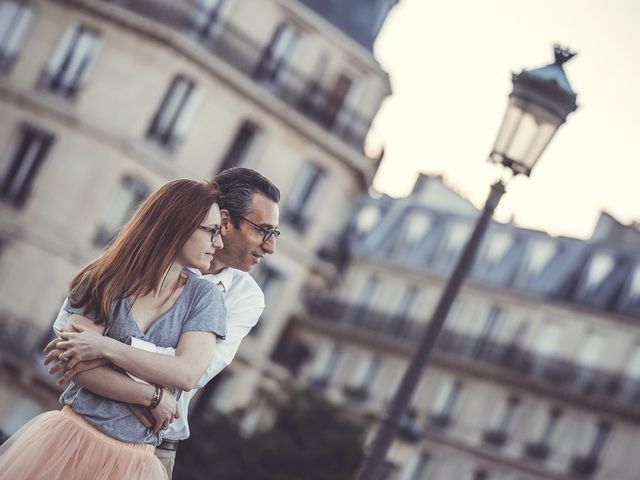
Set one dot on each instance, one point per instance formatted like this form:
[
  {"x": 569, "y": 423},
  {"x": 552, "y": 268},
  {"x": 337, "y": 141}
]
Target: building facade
[
  {"x": 536, "y": 374},
  {"x": 103, "y": 101}
]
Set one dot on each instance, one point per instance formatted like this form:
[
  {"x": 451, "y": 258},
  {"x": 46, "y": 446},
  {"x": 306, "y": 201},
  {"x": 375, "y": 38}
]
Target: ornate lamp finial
[{"x": 562, "y": 54}]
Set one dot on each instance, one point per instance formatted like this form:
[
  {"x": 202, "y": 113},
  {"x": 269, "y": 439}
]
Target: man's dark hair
[{"x": 238, "y": 186}]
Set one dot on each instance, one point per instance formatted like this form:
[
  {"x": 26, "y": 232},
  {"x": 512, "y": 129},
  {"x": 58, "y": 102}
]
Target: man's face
[{"x": 243, "y": 245}]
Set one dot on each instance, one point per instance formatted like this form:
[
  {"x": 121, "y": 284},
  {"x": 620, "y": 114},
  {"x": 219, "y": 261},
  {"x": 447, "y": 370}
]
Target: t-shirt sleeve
[
  {"x": 207, "y": 312},
  {"x": 67, "y": 307}
]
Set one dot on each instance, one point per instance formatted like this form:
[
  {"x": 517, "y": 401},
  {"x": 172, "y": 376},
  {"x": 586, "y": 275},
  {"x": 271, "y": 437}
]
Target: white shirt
[{"x": 244, "y": 302}]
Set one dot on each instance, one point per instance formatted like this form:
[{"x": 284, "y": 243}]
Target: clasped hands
[{"x": 80, "y": 349}]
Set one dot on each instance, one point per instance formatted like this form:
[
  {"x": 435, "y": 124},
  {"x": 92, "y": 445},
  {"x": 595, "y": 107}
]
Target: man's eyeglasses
[
  {"x": 213, "y": 231},
  {"x": 267, "y": 232}
]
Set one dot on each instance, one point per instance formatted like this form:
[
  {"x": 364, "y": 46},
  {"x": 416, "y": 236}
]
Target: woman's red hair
[{"x": 135, "y": 262}]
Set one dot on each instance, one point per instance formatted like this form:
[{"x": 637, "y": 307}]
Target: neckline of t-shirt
[{"x": 163, "y": 314}]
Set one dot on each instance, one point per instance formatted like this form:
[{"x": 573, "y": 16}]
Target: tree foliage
[{"x": 311, "y": 440}]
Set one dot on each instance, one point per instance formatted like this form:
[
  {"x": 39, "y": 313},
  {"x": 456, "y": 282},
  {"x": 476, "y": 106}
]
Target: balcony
[
  {"x": 235, "y": 46},
  {"x": 607, "y": 388},
  {"x": 440, "y": 421},
  {"x": 495, "y": 438},
  {"x": 584, "y": 466},
  {"x": 536, "y": 451}
]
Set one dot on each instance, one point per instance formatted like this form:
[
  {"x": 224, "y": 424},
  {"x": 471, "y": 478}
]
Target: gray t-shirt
[{"x": 198, "y": 308}]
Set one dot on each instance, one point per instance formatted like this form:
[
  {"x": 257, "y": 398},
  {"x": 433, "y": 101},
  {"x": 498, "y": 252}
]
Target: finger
[
  {"x": 52, "y": 355},
  {"x": 73, "y": 361},
  {"x": 67, "y": 377},
  {"x": 58, "y": 367},
  {"x": 140, "y": 415},
  {"x": 64, "y": 345},
  {"x": 52, "y": 345}
]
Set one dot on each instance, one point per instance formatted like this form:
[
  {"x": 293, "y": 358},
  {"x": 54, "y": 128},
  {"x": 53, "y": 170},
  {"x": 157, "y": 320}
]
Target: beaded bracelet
[{"x": 157, "y": 397}]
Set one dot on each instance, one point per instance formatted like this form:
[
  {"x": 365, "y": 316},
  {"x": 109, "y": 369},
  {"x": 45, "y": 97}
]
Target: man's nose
[{"x": 270, "y": 245}]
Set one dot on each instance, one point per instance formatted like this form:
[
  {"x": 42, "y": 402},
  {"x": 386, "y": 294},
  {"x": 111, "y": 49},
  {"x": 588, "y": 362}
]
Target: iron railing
[
  {"x": 259, "y": 62},
  {"x": 589, "y": 382}
]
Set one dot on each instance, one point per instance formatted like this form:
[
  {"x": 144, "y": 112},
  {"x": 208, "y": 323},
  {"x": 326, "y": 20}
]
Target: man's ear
[{"x": 225, "y": 220}]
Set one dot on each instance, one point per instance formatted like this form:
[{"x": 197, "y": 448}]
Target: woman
[{"x": 138, "y": 288}]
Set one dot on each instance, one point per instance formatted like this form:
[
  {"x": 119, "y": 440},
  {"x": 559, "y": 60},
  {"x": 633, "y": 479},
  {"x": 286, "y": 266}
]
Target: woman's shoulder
[{"x": 200, "y": 286}]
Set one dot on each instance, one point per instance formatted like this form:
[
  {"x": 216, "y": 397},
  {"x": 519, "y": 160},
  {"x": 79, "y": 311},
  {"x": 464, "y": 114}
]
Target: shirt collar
[{"x": 224, "y": 278}]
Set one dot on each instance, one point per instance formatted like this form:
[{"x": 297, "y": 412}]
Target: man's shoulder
[{"x": 244, "y": 284}]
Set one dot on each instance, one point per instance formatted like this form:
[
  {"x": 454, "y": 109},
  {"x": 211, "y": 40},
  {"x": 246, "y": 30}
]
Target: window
[
  {"x": 337, "y": 109},
  {"x": 541, "y": 448},
  {"x": 488, "y": 330},
  {"x": 413, "y": 229},
  {"x": 455, "y": 237},
  {"x": 497, "y": 246},
  {"x": 366, "y": 370},
  {"x": 326, "y": 363},
  {"x": 399, "y": 321},
  {"x": 538, "y": 255},
  {"x": 71, "y": 62},
  {"x": 598, "y": 270},
  {"x": 417, "y": 467},
  {"x": 206, "y": 18},
  {"x": 22, "y": 162},
  {"x": 173, "y": 117},
  {"x": 303, "y": 197},
  {"x": 15, "y": 20},
  {"x": 367, "y": 219},
  {"x": 275, "y": 57},
  {"x": 497, "y": 436},
  {"x": 444, "y": 403},
  {"x": 129, "y": 194},
  {"x": 632, "y": 291},
  {"x": 269, "y": 279},
  {"x": 588, "y": 463},
  {"x": 242, "y": 146}
]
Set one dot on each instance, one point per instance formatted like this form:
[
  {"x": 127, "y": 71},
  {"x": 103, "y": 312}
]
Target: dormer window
[
  {"x": 599, "y": 269},
  {"x": 499, "y": 243},
  {"x": 539, "y": 254},
  {"x": 413, "y": 230},
  {"x": 367, "y": 218},
  {"x": 632, "y": 294}
]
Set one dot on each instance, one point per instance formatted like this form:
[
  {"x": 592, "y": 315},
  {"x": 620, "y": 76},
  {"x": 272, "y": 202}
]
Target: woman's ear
[{"x": 225, "y": 220}]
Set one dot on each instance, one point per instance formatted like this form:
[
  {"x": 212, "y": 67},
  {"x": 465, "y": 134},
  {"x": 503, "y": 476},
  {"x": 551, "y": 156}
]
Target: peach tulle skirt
[{"x": 61, "y": 445}]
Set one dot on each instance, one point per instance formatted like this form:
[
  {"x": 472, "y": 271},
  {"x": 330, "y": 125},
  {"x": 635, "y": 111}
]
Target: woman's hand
[
  {"x": 80, "y": 345},
  {"x": 165, "y": 412}
]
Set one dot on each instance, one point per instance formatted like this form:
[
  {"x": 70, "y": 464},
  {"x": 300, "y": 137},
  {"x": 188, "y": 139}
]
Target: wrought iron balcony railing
[
  {"x": 265, "y": 64},
  {"x": 565, "y": 375}
]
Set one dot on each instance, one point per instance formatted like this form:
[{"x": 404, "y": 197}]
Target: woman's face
[{"x": 198, "y": 250}]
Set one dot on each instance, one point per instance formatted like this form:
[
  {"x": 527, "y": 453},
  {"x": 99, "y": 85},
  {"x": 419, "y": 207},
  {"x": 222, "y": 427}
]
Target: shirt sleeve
[
  {"x": 207, "y": 312},
  {"x": 242, "y": 316},
  {"x": 62, "y": 319}
]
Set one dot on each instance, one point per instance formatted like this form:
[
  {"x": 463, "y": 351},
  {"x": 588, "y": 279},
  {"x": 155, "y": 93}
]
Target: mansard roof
[{"x": 596, "y": 273}]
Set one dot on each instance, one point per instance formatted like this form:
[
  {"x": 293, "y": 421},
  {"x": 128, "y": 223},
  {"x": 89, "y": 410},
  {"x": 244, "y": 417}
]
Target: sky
[{"x": 450, "y": 65}]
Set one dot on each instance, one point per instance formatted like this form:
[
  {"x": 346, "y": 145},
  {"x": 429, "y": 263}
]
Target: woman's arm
[{"x": 193, "y": 354}]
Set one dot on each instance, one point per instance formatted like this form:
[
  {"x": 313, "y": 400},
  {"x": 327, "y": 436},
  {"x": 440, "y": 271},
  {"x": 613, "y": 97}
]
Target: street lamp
[{"x": 539, "y": 103}]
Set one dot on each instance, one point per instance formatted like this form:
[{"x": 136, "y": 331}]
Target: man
[{"x": 249, "y": 214}]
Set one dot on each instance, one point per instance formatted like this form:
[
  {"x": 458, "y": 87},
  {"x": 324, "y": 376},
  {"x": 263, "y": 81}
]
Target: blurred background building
[
  {"x": 103, "y": 101},
  {"x": 536, "y": 375}
]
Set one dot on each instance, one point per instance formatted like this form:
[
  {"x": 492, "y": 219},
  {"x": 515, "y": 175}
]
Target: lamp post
[{"x": 539, "y": 103}]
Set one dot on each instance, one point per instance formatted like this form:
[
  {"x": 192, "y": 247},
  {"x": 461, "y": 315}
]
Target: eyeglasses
[
  {"x": 213, "y": 231},
  {"x": 267, "y": 232}
]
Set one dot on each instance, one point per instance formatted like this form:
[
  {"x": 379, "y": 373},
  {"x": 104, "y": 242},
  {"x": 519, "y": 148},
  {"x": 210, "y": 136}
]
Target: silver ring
[{"x": 63, "y": 357}]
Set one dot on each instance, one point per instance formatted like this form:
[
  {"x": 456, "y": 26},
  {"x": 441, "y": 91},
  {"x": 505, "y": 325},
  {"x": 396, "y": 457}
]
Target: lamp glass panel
[
  {"x": 509, "y": 124},
  {"x": 543, "y": 136}
]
